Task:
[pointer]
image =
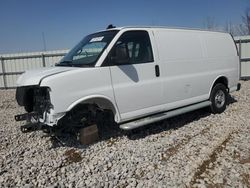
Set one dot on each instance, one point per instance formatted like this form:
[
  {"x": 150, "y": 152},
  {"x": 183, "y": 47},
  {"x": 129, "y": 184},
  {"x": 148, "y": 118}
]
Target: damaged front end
[{"x": 36, "y": 101}]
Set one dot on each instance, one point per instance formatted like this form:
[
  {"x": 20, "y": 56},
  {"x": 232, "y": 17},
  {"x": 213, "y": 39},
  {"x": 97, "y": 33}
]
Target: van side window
[{"x": 133, "y": 47}]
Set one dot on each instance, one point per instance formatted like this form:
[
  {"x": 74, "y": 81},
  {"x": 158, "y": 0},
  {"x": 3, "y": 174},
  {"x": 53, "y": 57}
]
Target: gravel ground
[{"x": 197, "y": 149}]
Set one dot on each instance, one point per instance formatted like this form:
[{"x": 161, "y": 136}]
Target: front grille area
[{"x": 34, "y": 99}]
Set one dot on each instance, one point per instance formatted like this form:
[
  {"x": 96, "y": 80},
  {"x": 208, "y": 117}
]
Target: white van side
[
  {"x": 191, "y": 61},
  {"x": 140, "y": 74}
]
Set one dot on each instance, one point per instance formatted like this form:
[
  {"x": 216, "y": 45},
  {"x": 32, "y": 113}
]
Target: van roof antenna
[{"x": 110, "y": 26}]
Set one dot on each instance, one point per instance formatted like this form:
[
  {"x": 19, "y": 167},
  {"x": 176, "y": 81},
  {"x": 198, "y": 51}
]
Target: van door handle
[{"x": 157, "y": 70}]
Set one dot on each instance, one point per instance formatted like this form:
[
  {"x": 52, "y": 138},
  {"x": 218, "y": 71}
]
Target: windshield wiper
[
  {"x": 86, "y": 65},
  {"x": 71, "y": 64},
  {"x": 65, "y": 63}
]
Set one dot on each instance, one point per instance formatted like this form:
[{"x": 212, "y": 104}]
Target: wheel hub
[{"x": 220, "y": 99}]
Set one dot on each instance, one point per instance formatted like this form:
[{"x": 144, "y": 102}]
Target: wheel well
[
  {"x": 223, "y": 80},
  {"x": 90, "y": 110},
  {"x": 101, "y": 103},
  {"x": 97, "y": 104}
]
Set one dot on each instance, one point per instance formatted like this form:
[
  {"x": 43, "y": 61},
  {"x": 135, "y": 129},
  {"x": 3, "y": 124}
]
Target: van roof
[{"x": 163, "y": 27}]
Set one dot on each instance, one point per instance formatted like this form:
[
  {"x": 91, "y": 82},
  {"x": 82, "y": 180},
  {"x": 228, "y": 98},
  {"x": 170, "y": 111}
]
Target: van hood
[{"x": 34, "y": 77}]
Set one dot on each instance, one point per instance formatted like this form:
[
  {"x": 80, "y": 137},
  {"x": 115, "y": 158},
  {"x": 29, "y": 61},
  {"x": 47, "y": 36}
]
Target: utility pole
[{"x": 44, "y": 42}]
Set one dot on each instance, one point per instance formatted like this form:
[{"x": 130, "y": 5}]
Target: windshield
[{"x": 88, "y": 51}]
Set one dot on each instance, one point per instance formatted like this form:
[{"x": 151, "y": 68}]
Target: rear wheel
[{"x": 218, "y": 98}]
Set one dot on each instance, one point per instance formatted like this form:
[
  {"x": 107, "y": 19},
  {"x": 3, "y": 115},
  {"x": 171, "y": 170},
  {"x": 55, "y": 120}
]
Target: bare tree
[
  {"x": 246, "y": 21},
  {"x": 229, "y": 27},
  {"x": 244, "y": 27},
  {"x": 210, "y": 24},
  {"x": 233, "y": 29}
]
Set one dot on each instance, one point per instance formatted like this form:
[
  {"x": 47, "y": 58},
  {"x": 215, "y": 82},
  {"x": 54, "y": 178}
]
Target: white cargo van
[{"x": 140, "y": 74}]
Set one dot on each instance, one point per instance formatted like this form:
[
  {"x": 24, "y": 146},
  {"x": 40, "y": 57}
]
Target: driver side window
[{"x": 133, "y": 47}]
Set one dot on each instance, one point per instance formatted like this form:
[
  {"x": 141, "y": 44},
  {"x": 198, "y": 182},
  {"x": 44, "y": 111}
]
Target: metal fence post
[
  {"x": 240, "y": 59},
  {"x": 43, "y": 60},
  {"x": 4, "y": 73}
]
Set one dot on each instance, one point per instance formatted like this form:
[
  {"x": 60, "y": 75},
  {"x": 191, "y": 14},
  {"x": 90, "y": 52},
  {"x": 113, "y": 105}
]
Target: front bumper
[{"x": 49, "y": 118}]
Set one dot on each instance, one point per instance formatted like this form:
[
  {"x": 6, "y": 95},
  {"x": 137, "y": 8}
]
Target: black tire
[{"x": 218, "y": 98}]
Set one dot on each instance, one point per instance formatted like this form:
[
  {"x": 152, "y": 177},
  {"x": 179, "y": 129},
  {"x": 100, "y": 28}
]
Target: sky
[{"x": 63, "y": 23}]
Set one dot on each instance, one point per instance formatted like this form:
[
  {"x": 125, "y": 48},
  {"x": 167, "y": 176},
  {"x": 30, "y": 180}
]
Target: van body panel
[
  {"x": 193, "y": 60},
  {"x": 183, "y": 68},
  {"x": 132, "y": 80},
  {"x": 75, "y": 85},
  {"x": 33, "y": 77}
]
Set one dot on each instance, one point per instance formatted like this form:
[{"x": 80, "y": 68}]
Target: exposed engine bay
[{"x": 35, "y": 100}]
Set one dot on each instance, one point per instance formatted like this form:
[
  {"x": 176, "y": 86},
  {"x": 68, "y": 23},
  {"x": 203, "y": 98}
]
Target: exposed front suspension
[
  {"x": 26, "y": 116},
  {"x": 29, "y": 127}
]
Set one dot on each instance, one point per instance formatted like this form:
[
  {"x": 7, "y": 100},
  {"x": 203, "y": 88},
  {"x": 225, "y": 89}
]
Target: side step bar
[{"x": 162, "y": 116}]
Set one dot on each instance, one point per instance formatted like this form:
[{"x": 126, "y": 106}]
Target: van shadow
[
  {"x": 130, "y": 71},
  {"x": 172, "y": 123},
  {"x": 112, "y": 131},
  {"x": 231, "y": 100},
  {"x": 168, "y": 124},
  {"x": 70, "y": 138}
]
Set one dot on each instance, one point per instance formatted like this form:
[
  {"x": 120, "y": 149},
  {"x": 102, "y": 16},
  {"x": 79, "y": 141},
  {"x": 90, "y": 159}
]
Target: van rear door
[{"x": 135, "y": 75}]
